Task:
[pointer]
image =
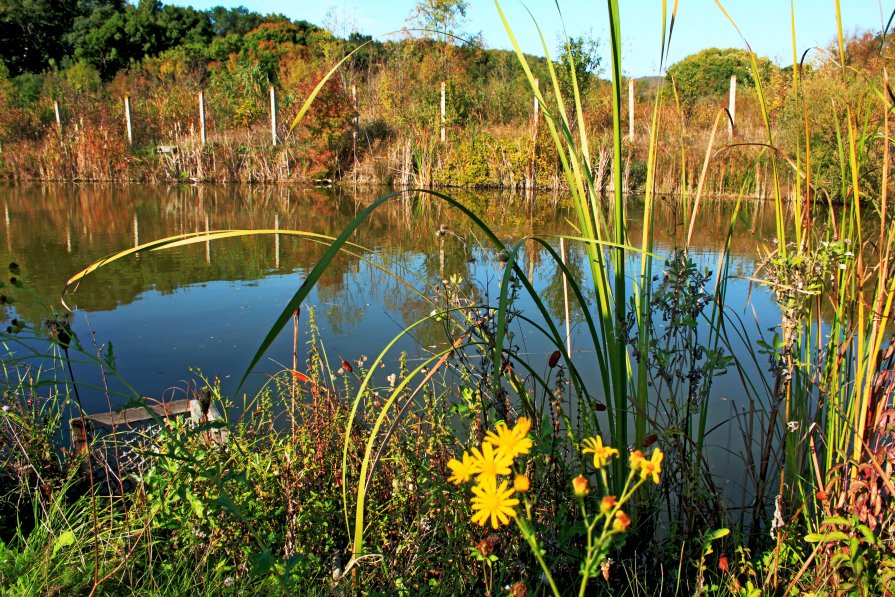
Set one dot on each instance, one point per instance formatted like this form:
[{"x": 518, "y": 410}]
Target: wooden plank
[{"x": 129, "y": 416}]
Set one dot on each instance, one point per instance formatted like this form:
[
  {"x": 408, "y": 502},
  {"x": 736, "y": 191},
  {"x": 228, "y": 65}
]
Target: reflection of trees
[
  {"x": 55, "y": 231},
  {"x": 553, "y": 295}
]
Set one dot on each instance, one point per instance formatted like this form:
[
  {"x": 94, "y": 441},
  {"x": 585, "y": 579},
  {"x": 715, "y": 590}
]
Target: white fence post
[
  {"x": 273, "y": 115},
  {"x": 443, "y": 106},
  {"x": 127, "y": 118},
  {"x": 732, "y": 105},
  {"x": 202, "y": 116}
]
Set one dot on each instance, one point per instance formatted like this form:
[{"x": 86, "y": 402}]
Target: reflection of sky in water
[{"x": 210, "y": 308}]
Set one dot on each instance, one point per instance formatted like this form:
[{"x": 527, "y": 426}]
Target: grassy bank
[{"x": 481, "y": 470}]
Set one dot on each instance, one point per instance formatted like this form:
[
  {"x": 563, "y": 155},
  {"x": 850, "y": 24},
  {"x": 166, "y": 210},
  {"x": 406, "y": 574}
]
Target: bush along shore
[
  {"x": 483, "y": 469},
  {"x": 157, "y": 93}
]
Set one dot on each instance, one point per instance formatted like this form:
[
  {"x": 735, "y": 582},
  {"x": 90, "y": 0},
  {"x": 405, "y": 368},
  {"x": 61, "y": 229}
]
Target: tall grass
[{"x": 819, "y": 459}]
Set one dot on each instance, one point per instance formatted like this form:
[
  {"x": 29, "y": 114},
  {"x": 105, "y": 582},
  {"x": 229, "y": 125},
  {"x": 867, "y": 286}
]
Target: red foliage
[{"x": 323, "y": 132}]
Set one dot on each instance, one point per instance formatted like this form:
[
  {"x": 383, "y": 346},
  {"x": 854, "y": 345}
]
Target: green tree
[
  {"x": 707, "y": 73},
  {"x": 32, "y": 32},
  {"x": 112, "y": 35},
  {"x": 581, "y": 54},
  {"x": 442, "y": 19},
  {"x": 239, "y": 20},
  {"x": 182, "y": 26},
  {"x": 100, "y": 39}
]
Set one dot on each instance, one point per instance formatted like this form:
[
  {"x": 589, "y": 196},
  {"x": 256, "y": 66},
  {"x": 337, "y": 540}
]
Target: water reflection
[{"x": 209, "y": 305}]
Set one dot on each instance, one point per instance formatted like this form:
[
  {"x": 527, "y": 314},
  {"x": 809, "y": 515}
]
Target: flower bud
[
  {"x": 608, "y": 503},
  {"x": 580, "y": 486},
  {"x": 621, "y": 522}
]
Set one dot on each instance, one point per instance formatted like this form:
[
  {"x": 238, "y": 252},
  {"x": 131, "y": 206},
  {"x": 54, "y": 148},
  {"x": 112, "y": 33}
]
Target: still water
[{"x": 207, "y": 307}]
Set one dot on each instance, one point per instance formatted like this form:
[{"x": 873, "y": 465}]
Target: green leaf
[
  {"x": 262, "y": 563},
  {"x": 109, "y": 357},
  {"x": 196, "y": 504},
  {"x": 64, "y": 540},
  {"x": 868, "y": 535},
  {"x": 836, "y": 536}
]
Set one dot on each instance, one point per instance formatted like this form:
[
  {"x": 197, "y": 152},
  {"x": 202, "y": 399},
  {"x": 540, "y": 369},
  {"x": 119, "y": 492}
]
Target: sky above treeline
[{"x": 700, "y": 24}]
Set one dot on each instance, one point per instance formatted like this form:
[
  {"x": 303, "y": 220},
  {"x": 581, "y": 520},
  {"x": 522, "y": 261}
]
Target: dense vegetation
[
  {"x": 340, "y": 478},
  {"x": 162, "y": 56}
]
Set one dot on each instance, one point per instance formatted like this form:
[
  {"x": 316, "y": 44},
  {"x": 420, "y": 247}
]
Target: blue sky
[{"x": 700, "y": 24}]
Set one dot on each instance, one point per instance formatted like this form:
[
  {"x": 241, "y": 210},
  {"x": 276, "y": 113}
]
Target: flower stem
[
  {"x": 588, "y": 561},
  {"x": 529, "y": 536}
]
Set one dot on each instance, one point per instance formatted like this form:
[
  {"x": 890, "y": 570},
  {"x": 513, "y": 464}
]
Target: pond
[{"x": 206, "y": 307}]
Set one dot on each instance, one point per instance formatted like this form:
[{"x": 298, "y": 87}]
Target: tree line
[{"x": 85, "y": 55}]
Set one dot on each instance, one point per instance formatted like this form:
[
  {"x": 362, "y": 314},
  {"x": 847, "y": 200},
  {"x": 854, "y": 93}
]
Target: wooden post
[
  {"x": 442, "y": 111},
  {"x": 537, "y": 110},
  {"x": 565, "y": 294},
  {"x": 127, "y": 118},
  {"x": 273, "y": 115},
  {"x": 758, "y": 182},
  {"x": 354, "y": 130},
  {"x": 136, "y": 230},
  {"x": 532, "y": 181},
  {"x": 58, "y": 117},
  {"x": 276, "y": 241},
  {"x": 732, "y": 105},
  {"x": 630, "y": 109},
  {"x": 202, "y": 410},
  {"x": 202, "y": 116},
  {"x": 80, "y": 441}
]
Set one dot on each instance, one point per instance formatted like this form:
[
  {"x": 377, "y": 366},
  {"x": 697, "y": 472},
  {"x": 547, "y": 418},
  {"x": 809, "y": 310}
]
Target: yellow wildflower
[
  {"x": 493, "y": 502},
  {"x": 513, "y": 441},
  {"x": 602, "y": 454},
  {"x": 621, "y": 522},
  {"x": 521, "y": 483},
  {"x": 636, "y": 459},
  {"x": 580, "y": 486},
  {"x": 653, "y": 466},
  {"x": 463, "y": 470},
  {"x": 489, "y": 463}
]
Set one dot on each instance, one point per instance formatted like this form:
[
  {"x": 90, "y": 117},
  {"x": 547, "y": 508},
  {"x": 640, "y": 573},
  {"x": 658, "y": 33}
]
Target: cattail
[{"x": 554, "y": 359}]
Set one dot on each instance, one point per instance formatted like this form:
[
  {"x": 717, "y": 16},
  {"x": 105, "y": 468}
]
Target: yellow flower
[
  {"x": 579, "y": 485},
  {"x": 463, "y": 470},
  {"x": 602, "y": 454},
  {"x": 489, "y": 463},
  {"x": 511, "y": 441},
  {"x": 608, "y": 503},
  {"x": 621, "y": 522},
  {"x": 636, "y": 459},
  {"x": 493, "y": 502},
  {"x": 653, "y": 466},
  {"x": 521, "y": 483}
]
